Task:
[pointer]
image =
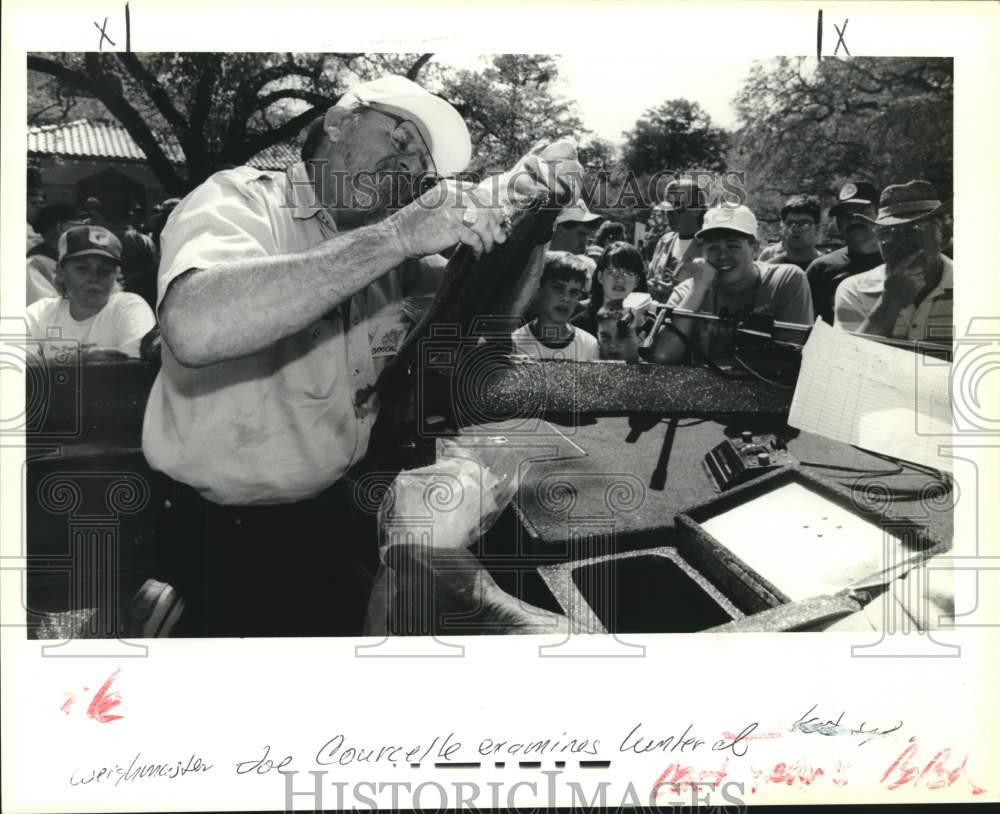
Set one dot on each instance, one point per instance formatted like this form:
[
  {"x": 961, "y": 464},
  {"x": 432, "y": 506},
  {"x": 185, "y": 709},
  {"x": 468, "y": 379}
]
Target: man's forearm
[
  {"x": 242, "y": 307},
  {"x": 882, "y": 319},
  {"x": 669, "y": 348}
]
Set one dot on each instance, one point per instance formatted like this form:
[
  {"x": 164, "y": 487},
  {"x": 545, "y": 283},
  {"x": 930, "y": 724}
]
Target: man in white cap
[
  {"x": 728, "y": 281},
  {"x": 574, "y": 225},
  {"x": 909, "y": 296},
  {"x": 280, "y": 297}
]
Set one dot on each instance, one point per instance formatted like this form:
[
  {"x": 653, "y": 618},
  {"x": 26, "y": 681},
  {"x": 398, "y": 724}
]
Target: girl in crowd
[{"x": 620, "y": 272}]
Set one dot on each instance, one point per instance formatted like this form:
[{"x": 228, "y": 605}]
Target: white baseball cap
[
  {"x": 443, "y": 129},
  {"x": 731, "y": 217},
  {"x": 577, "y": 212}
]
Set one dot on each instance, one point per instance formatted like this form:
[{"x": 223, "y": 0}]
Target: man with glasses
[
  {"x": 280, "y": 297},
  {"x": 910, "y": 295},
  {"x": 860, "y": 252},
  {"x": 800, "y": 218}
]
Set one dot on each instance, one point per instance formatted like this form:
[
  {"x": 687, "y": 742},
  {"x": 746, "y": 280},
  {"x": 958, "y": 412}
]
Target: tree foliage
[
  {"x": 678, "y": 135},
  {"x": 222, "y": 108},
  {"x": 808, "y": 128},
  {"x": 509, "y": 106}
]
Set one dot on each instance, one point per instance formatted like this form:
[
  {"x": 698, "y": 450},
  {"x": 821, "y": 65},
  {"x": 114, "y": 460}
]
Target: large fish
[{"x": 498, "y": 284}]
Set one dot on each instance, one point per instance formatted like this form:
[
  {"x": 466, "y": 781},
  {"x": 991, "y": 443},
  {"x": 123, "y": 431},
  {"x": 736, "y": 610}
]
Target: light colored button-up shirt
[
  {"x": 931, "y": 320},
  {"x": 283, "y": 424}
]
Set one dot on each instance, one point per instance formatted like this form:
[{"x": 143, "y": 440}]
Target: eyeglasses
[
  {"x": 622, "y": 274},
  {"x": 799, "y": 225},
  {"x": 408, "y": 141},
  {"x": 901, "y": 230}
]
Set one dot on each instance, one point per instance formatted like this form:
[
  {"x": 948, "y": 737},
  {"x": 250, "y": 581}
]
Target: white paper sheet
[{"x": 874, "y": 396}]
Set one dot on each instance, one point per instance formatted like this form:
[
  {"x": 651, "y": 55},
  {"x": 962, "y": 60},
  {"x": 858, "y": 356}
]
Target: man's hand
[
  {"x": 701, "y": 271},
  {"x": 451, "y": 212},
  {"x": 433, "y": 587},
  {"x": 904, "y": 280},
  {"x": 693, "y": 265},
  {"x": 547, "y": 168},
  {"x": 477, "y": 215}
]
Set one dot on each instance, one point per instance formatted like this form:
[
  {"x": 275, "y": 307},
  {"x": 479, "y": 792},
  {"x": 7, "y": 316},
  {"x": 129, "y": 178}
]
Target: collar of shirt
[{"x": 303, "y": 195}]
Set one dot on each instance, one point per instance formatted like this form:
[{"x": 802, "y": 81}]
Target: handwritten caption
[{"x": 913, "y": 767}]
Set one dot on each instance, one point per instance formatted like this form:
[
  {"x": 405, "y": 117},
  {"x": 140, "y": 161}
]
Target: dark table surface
[{"x": 631, "y": 484}]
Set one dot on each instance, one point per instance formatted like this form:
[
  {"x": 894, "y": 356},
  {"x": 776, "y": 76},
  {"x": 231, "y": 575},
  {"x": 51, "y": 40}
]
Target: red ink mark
[
  {"x": 798, "y": 772},
  {"x": 70, "y": 699},
  {"x": 761, "y": 737},
  {"x": 841, "y": 778},
  {"x": 678, "y": 777},
  {"x": 104, "y": 701},
  {"x": 934, "y": 775}
]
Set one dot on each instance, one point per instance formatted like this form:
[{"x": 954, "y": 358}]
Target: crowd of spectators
[{"x": 892, "y": 276}]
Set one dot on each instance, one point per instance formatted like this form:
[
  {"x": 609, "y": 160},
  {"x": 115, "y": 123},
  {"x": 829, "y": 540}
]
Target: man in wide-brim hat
[{"x": 910, "y": 295}]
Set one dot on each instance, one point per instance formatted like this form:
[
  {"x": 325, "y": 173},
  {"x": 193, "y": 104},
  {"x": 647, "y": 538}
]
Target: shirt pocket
[{"x": 310, "y": 364}]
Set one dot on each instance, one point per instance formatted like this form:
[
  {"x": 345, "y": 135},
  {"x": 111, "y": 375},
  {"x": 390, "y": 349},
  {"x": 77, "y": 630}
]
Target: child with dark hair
[
  {"x": 616, "y": 335},
  {"x": 610, "y": 232},
  {"x": 549, "y": 335},
  {"x": 607, "y": 233},
  {"x": 620, "y": 271}
]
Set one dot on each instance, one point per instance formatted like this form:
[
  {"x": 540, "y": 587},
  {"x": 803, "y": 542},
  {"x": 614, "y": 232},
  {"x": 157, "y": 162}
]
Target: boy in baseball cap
[
  {"x": 92, "y": 315},
  {"x": 87, "y": 241},
  {"x": 728, "y": 281}
]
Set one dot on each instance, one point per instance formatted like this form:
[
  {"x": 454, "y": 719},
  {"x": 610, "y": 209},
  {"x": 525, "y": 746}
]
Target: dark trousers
[{"x": 297, "y": 569}]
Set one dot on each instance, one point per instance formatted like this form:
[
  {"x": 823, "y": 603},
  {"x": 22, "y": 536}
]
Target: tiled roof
[{"x": 99, "y": 139}]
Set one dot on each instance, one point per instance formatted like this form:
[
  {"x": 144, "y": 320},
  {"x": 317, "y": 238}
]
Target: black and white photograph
[
  {"x": 389, "y": 343},
  {"x": 461, "y": 407}
]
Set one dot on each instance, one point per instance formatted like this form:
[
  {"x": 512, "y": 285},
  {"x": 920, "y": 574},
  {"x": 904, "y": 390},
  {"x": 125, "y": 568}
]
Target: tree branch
[
  {"x": 95, "y": 83},
  {"x": 416, "y": 67},
  {"x": 262, "y": 141},
  {"x": 253, "y": 84},
  {"x": 154, "y": 90},
  {"x": 201, "y": 99}
]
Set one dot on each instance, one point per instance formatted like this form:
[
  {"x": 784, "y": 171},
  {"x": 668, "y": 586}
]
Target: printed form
[{"x": 874, "y": 396}]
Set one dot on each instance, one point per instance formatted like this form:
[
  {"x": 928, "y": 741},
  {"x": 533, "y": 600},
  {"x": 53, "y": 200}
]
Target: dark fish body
[{"x": 477, "y": 292}]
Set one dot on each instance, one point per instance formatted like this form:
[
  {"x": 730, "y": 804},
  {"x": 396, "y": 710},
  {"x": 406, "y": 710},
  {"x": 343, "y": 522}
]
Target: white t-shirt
[
  {"x": 583, "y": 348},
  {"x": 121, "y": 324}
]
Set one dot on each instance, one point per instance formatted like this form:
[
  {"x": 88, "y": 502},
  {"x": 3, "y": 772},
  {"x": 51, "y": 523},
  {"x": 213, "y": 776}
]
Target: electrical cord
[
  {"x": 755, "y": 374},
  {"x": 937, "y": 474},
  {"x": 871, "y": 473}
]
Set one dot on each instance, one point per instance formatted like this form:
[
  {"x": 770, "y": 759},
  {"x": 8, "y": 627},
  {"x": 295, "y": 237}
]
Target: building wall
[{"x": 60, "y": 177}]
